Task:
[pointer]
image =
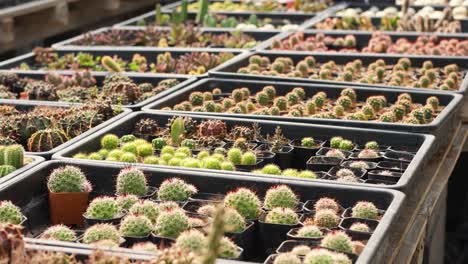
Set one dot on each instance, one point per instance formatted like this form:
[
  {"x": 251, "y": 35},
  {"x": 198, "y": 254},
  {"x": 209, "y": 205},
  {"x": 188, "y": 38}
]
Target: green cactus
[
  {"x": 131, "y": 181},
  {"x": 147, "y": 208},
  {"x": 245, "y": 202},
  {"x": 326, "y": 218},
  {"x": 338, "y": 241},
  {"x": 110, "y": 64},
  {"x": 192, "y": 240},
  {"x": 110, "y": 142},
  {"x": 14, "y": 156},
  {"x": 234, "y": 221},
  {"x": 59, "y": 233},
  {"x": 228, "y": 249},
  {"x": 360, "y": 227},
  {"x": 310, "y": 231},
  {"x": 127, "y": 138},
  {"x": 128, "y": 157},
  {"x": 249, "y": 158},
  {"x": 103, "y": 208},
  {"x": 68, "y": 179},
  {"x": 171, "y": 223},
  {"x": 177, "y": 130},
  {"x": 365, "y": 210},
  {"x": 287, "y": 258},
  {"x": 308, "y": 142},
  {"x": 135, "y": 226},
  {"x": 127, "y": 201},
  {"x": 235, "y": 155},
  {"x": 47, "y": 139},
  {"x": 6, "y": 169},
  {"x": 319, "y": 256},
  {"x": 282, "y": 216},
  {"x": 175, "y": 190},
  {"x": 158, "y": 143},
  {"x": 100, "y": 232},
  {"x": 335, "y": 142},
  {"x": 10, "y": 213},
  {"x": 326, "y": 203},
  {"x": 280, "y": 196},
  {"x": 271, "y": 169}
]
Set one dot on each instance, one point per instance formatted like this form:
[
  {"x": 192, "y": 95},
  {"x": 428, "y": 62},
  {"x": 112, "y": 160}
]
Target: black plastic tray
[
  {"x": 127, "y": 54},
  {"x": 229, "y": 69},
  {"x": 137, "y": 78},
  {"x": 25, "y": 105},
  {"x": 261, "y": 36},
  {"x": 441, "y": 124},
  {"x": 291, "y": 130},
  {"x": 34, "y": 202},
  {"x": 363, "y": 37},
  {"x": 276, "y": 20},
  {"x": 35, "y": 160}
]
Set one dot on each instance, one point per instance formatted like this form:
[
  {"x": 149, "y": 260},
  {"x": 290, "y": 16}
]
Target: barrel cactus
[
  {"x": 147, "y": 208},
  {"x": 68, "y": 179},
  {"x": 338, "y": 241},
  {"x": 14, "y": 156},
  {"x": 47, "y": 139},
  {"x": 365, "y": 210},
  {"x": 310, "y": 231},
  {"x": 131, "y": 181},
  {"x": 245, "y": 201},
  {"x": 135, "y": 226},
  {"x": 280, "y": 196},
  {"x": 234, "y": 222},
  {"x": 6, "y": 169},
  {"x": 126, "y": 201},
  {"x": 326, "y": 218},
  {"x": 326, "y": 203},
  {"x": 287, "y": 258}
]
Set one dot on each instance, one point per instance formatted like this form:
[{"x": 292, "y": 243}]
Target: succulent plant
[
  {"x": 126, "y": 201},
  {"x": 365, "y": 210},
  {"x": 228, "y": 249},
  {"x": 271, "y": 169},
  {"x": 135, "y": 226},
  {"x": 146, "y": 246},
  {"x": 170, "y": 223},
  {"x": 6, "y": 169},
  {"x": 10, "y": 213},
  {"x": 101, "y": 232},
  {"x": 319, "y": 256},
  {"x": 175, "y": 190},
  {"x": 103, "y": 208},
  {"x": 192, "y": 240},
  {"x": 280, "y": 196},
  {"x": 339, "y": 241},
  {"x": 309, "y": 231},
  {"x": 59, "y": 233},
  {"x": 326, "y": 218},
  {"x": 68, "y": 179},
  {"x": 147, "y": 208},
  {"x": 47, "y": 139},
  {"x": 287, "y": 258},
  {"x": 326, "y": 203},
  {"x": 283, "y": 216},
  {"x": 245, "y": 202},
  {"x": 131, "y": 181},
  {"x": 361, "y": 227},
  {"x": 13, "y": 155}
]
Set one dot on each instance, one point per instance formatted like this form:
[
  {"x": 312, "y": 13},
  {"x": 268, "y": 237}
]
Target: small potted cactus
[
  {"x": 364, "y": 210},
  {"x": 132, "y": 181},
  {"x": 135, "y": 228},
  {"x": 297, "y": 247},
  {"x": 245, "y": 201},
  {"x": 170, "y": 223},
  {"x": 281, "y": 196},
  {"x": 279, "y": 144},
  {"x": 103, "y": 210},
  {"x": 305, "y": 148},
  {"x": 359, "y": 229},
  {"x": 274, "y": 226},
  {"x": 59, "y": 233},
  {"x": 68, "y": 188},
  {"x": 10, "y": 213},
  {"x": 175, "y": 190},
  {"x": 308, "y": 232},
  {"x": 323, "y": 163},
  {"x": 102, "y": 232}
]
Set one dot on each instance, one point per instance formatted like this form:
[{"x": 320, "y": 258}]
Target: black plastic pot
[
  {"x": 283, "y": 158},
  {"x": 355, "y": 156},
  {"x": 162, "y": 242},
  {"x": 271, "y": 236},
  {"x": 35, "y": 160},
  {"x": 392, "y": 166},
  {"x": 193, "y": 206},
  {"x": 348, "y": 214},
  {"x": 126, "y": 54},
  {"x": 439, "y": 126},
  {"x": 322, "y": 163},
  {"x": 302, "y": 154},
  {"x": 33, "y": 187},
  {"x": 290, "y": 130},
  {"x": 309, "y": 207},
  {"x": 261, "y": 36},
  {"x": 346, "y": 223},
  {"x": 399, "y": 156},
  {"x": 229, "y": 70},
  {"x": 371, "y": 165},
  {"x": 384, "y": 175},
  {"x": 246, "y": 240},
  {"x": 114, "y": 221},
  {"x": 249, "y": 168},
  {"x": 130, "y": 241},
  {"x": 27, "y": 105}
]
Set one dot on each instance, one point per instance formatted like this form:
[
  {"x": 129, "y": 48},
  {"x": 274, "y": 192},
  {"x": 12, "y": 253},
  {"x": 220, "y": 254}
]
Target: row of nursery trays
[
  {"x": 259, "y": 237},
  {"x": 365, "y": 17}
]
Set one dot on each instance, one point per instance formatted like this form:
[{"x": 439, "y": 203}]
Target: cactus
[
  {"x": 110, "y": 64},
  {"x": 346, "y": 145},
  {"x": 319, "y": 256},
  {"x": 211, "y": 163},
  {"x": 103, "y": 208},
  {"x": 271, "y": 169},
  {"x": 14, "y": 156},
  {"x": 59, "y": 233},
  {"x": 68, "y": 179},
  {"x": 110, "y": 141},
  {"x": 287, "y": 258},
  {"x": 281, "y": 102},
  {"x": 280, "y": 196},
  {"x": 326, "y": 218},
  {"x": 365, "y": 210},
  {"x": 192, "y": 240},
  {"x": 368, "y": 154},
  {"x": 158, "y": 143},
  {"x": 301, "y": 250},
  {"x": 361, "y": 227},
  {"x": 175, "y": 190},
  {"x": 128, "y": 158},
  {"x": 335, "y": 153},
  {"x": 131, "y": 181},
  {"x": 335, "y": 142},
  {"x": 10, "y": 213},
  {"x": 308, "y": 142},
  {"x": 147, "y": 208},
  {"x": 307, "y": 174},
  {"x": 245, "y": 202},
  {"x": 202, "y": 11},
  {"x": 233, "y": 220},
  {"x": 6, "y": 169},
  {"x": 235, "y": 155},
  {"x": 262, "y": 98},
  {"x": 100, "y": 232},
  {"x": 135, "y": 226},
  {"x": 338, "y": 241},
  {"x": 47, "y": 139},
  {"x": 249, "y": 158},
  {"x": 146, "y": 246},
  {"x": 326, "y": 203},
  {"x": 310, "y": 231},
  {"x": 341, "y": 173},
  {"x": 282, "y": 216},
  {"x": 126, "y": 201},
  {"x": 171, "y": 223}
]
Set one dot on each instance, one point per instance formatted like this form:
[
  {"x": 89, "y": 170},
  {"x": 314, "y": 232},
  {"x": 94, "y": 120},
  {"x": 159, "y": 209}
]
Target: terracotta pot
[{"x": 68, "y": 208}]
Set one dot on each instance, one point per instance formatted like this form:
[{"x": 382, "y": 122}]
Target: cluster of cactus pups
[
  {"x": 11, "y": 158},
  {"x": 44, "y": 128},
  {"x": 296, "y": 103},
  {"x": 192, "y": 63},
  {"x": 80, "y": 88},
  {"x": 175, "y": 37},
  {"x": 378, "y": 43},
  {"x": 402, "y": 73}
]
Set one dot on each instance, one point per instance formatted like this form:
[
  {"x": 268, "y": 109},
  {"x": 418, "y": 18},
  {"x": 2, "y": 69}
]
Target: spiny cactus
[
  {"x": 135, "y": 226},
  {"x": 326, "y": 218},
  {"x": 287, "y": 258},
  {"x": 361, "y": 227},
  {"x": 68, "y": 179},
  {"x": 147, "y": 208},
  {"x": 309, "y": 231},
  {"x": 192, "y": 240},
  {"x": 175, "y": 190},
  {"x": 234, "y": 222},
  {"x": 6, "y": 169},
  {"x": 60, "y": 233},
  {"x": 110, "y": 64},
  {"x": 271, "y": 169},
  {"x": 171, "y": 223},
  {"x": 301, "y": 250},
  {"x": 280, "y": 196},
  {"x": 14, "y": 156},
  {"x": 326, "y": 203},
  {"x": 127, "y": 201},
  {"x": 338, "y": 241},
  {"x": 103, "y": 208},
  {"x": 101, "y": 232},
  {"x": 146, "y": 246},
  {"x": 365, "y": 210},
  {"x": 131, "y": 181},
  {"x": 319, "y": 256},
  {"x": 47, "y": 139},
  {"x": 110, "y": 141},
  {"x": 228, "y": 249},
  {"x": 245, "y": 201},
  {"x": 10, "y": 213},
  {"x": 282, "y": 216}
]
